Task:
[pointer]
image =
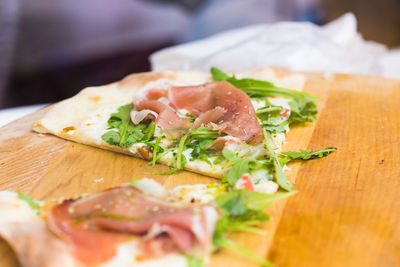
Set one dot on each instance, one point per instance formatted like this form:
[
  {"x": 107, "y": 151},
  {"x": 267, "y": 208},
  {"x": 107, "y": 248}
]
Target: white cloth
[
  {"x": 299, "y": 46},
  {"x": 11, "y": 114}
]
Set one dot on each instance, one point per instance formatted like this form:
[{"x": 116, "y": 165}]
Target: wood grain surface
[{"x": 347, "y": 210}]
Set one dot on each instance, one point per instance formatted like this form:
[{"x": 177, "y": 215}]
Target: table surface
[{"x": 347, "y": 209}]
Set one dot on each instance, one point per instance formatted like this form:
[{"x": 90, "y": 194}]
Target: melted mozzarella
[
  {"x": 267, "y": 187},
  {"x": 199, "y": 193},
  {"x": 150, "y": 186},
  {"x": 258, "y": 103},
  {"x": 13, "y": 209}
]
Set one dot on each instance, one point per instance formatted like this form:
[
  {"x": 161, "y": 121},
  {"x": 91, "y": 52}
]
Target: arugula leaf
[
  {"x": 134, "y": 180},
  {"x": 218, "y": 75},
  {"x": 276, "y": 128},
  {"x": 269, "y": 109},
  {"x": 249, "y": 254},
  {"x": 240, "y": 202},
  {"x": 149, "y": 133},
  {"x": 303, "y": 110},
  {"x": 303, "y": 105},
  {"x": 280, "y": 177},
  {"x": 201, "y": 150},
  {"x": 236, "y": 215},
  {"x": 305, "y": 154},
  {"x": 191, "y": 117},
  {"x": 270, "y": 119},
  {"x": 32, "y": 203},
  {"x": 133, "y": 134},
  {"x": 229, "y": 155},
  {"x": 232, "y": 203},
  {"x": 193, "y": 261},
  {"x": 202, "y": 133},
  {"x": 261, "y": 201},
  {"x": 219, "y": 159},
  {"x": 123, "y": 132},
  {"x": 112, "y": 137},
  {"x": 243, "y": 210},
  {"x": 157, "y": 149},
  {"x": 240, "y": 166},
  {"x": 171, "y": 171}
]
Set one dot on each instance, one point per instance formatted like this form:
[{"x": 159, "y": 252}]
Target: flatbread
[
  {"x": 83, "y": 118},
  {"x": 35, "y": 245}
]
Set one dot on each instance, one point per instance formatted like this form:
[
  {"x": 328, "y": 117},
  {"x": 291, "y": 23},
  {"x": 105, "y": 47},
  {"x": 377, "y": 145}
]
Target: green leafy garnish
[
  {"x": 305, "y": 154},
  {"x": 191, "y": 117},
  {"x": 280, "y": 177},
  {"x": 134, "y": 180},
  {"x": 219, "y": 75},
  {"x": 156, "y": 149},
  {"x": 201, "y": 150},
  {"x": 32, "y": 203},
  {"x": 247, "y": 203},
  {"x": 243, "y": 210},
  {"x": 270, "y": 119},
  {"x": 268, "y": 109},
  {"x": 171, "y": 171},
  {"x": 123, "y": 132},
  {"x": 193, "y": 261},
  {"x": 149, "y": 133},
  {"x": 245, "y": 252},
  {"x": 303, "y": 106},
  {"x": 240, "y": 166},
  {"x": 230, "y": 155},
  {"x": 201, "y": 134}
]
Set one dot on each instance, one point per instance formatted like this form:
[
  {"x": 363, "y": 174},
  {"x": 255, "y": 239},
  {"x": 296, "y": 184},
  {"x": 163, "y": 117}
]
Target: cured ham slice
[
  {"x": 167, "y": 118},
  {"x": 195, "y": 99},
  {"x": 239, "y": 119},
  {"x": 211, "y": 115},
  {"x": 96, "y": 225},
  {"x": 145, "y": 114}
]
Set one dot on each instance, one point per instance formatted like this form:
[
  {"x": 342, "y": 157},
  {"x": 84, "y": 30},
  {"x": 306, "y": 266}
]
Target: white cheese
[
  {"x": 280, "y": 101},
  {"x": 183, "y": 112},
  {"x": 150, "y": 186},
  {"x": 14, "y": 209},
  {"x": 258, "y": 103},
  {"x": 285, "y": 168},
  {"x": 158, "y": 132},
  {"x": 261, "y": 175},
  {"x": 200, "y": 193},
  {"x": 267, "y": 187}
]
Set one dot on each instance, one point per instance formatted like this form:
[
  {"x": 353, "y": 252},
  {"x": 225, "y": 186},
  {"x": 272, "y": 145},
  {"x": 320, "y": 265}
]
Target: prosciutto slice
[
  {"x": 94, "y": 226},
  {"x": 167, "y": 119},
  {"x": 211, "y": 115},
  {"x": 238, "y": 120}
]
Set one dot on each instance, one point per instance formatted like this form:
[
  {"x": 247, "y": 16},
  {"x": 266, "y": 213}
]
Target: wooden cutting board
[{"x": 346, "y": 213}]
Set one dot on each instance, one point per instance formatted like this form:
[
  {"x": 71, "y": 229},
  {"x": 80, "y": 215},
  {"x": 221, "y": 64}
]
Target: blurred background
[{"x": 51, "y": 49}]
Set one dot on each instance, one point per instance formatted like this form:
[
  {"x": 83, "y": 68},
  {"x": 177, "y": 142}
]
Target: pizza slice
[
  {"x": 217, "y": 124},
  {"x": 137, "y": 224}
]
